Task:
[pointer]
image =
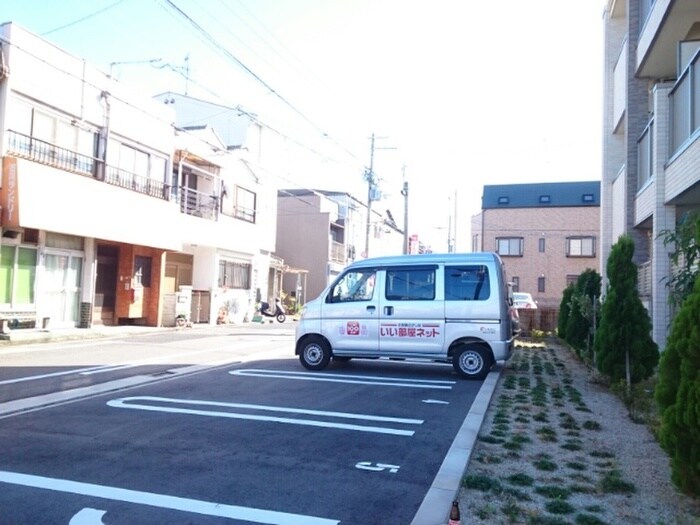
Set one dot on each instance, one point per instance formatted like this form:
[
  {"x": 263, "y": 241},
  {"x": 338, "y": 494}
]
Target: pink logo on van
[{"x": 353, "y": 328}]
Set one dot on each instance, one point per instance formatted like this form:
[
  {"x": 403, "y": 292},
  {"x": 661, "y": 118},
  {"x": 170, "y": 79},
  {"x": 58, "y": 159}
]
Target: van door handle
[
  {"x": 388, "y": 310},
  {"x": 371, "y": 308}
]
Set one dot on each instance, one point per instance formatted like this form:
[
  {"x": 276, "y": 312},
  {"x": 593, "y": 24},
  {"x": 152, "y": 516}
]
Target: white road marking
[
  {"x": 347, "y": 378},
  {"x": 88, "y": 516},
  {"x": 163, "y": 501},
  {"x": 133, "y": 403},
  {"x": 435, "y": 402},
  {"x": 109, "y": 368},
  {"x": 51, "y": 374},
  {"x": 377, "y": 467}
]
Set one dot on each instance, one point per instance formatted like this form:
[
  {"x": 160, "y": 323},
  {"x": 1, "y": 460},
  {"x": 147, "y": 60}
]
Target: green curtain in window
[
  {"x": 7, "y": 262},
  {"x": 26, "y": 274}
]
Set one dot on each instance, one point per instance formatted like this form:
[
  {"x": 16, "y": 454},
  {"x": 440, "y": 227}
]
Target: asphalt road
[{"x": 219, "y": 428}]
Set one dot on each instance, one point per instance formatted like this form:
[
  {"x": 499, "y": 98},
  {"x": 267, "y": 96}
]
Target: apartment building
[
  {"x": 321, "y": 232},
  {"x": 111, "y": 214},
  {"x": 547, "y": 234},
  {"x": 651, "y": 145}
]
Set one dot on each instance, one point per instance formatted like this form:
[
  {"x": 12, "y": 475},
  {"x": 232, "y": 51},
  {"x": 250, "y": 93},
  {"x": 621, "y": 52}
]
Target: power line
[
  {"x": 235, "y": 59},
  {"x": 86, "y": 17}
]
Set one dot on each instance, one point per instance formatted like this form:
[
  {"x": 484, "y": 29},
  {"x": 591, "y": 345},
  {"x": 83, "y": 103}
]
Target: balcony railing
[
  {"x": 198, "y": 204},
  {"x": 337, "y": 252},
  {"x": 644, "y": 279},
  {"x": 685, "y": 105},
  {"x": 43, "y": 152},
  {"x": 137, "y": 183}
]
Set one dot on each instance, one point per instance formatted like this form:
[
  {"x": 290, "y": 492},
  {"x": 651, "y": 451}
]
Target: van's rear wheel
[
  {"x": 315, "y": 353},
  {"x": 472, "y": 361}
]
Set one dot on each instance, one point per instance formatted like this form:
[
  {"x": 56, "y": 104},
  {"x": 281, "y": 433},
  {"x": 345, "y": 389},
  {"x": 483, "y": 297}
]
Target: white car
[{"x": 524, "y": 300}]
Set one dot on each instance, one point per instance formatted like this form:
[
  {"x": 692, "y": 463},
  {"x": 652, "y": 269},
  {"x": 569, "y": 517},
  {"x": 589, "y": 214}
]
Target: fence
[{"x": 543, "y": 319}]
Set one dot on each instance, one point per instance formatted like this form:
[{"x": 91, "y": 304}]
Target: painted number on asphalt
[
  {"x": 88, "y": 516},
  {"x": 377, "y": 467}
]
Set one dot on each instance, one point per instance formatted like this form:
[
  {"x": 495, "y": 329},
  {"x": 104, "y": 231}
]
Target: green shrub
[
  {"x": 678, "y": 395},
  {"x": 623, "y": 345}
]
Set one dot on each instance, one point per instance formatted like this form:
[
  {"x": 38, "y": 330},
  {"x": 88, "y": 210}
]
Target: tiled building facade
[
  {"x": 651, "y": 136},
  {"x": 547, "y": 234}
]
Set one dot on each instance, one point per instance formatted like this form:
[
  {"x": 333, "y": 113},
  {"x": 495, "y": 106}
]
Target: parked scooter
[{"x": 278, "y": 313}]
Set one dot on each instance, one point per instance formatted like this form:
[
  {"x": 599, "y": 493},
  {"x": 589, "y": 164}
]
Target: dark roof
[{"x": 543, "y": 195}]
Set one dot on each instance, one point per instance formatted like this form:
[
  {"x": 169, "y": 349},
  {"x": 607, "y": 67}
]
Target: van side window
[
  {"x": 414, "y": 284},
  {"x": 353, "y": 286},
  {"x": 467, "y": 283}
]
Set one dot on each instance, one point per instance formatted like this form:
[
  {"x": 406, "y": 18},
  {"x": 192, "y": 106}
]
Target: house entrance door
[
  {"x": 61, "y": 283},
  {"x": 105, "y": 285}
]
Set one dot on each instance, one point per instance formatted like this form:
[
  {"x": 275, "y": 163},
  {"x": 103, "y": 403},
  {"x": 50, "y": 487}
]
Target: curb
[{"x": 437, "y": 503}]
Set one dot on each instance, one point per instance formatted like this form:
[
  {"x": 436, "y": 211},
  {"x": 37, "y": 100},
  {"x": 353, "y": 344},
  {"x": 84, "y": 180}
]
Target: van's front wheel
[
  {"x": 472, "y": 361},
  {"x": 315, "y": 353}
]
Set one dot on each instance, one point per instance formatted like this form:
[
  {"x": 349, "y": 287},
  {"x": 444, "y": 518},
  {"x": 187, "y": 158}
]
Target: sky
[{"x": 458, "y": 93}]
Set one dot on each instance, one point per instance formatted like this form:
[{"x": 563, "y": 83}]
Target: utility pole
[
  {"x": 369, "y": 177},
  {"x": 404, "y": 192},
  {"x": 371, "y": 189}
]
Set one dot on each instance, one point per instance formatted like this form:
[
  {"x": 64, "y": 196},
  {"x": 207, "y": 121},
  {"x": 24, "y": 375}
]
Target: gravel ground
[{"x": 556, "y": 447}]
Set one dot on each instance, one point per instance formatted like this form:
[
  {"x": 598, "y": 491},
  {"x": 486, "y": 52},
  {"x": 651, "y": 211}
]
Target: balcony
[
  {"x": 685, "y": 105},
  {"x": 35, "y": 150},
  {"x": 199, "y": 204},
  {"x": 644, "y": 281},
  {"x": 337, "y": 252}
]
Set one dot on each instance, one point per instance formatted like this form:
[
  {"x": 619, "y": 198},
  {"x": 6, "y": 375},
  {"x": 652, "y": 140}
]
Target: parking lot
[{"x": 256, "y": 442}]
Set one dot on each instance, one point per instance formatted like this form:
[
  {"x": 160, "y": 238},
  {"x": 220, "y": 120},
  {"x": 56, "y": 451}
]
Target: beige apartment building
[
  {"x": 651, "y": 136},
  {"x": 547, "y": 234},
  {"x": 320, "y": 232}
]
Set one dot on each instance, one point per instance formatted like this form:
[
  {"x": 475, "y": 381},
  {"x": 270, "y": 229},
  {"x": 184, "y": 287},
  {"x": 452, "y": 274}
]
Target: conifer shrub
[
  {"x": 564, "y": 309},
  {"x": 678, "y": 395},
  {"x": 583, "y": 302},
  {"x": 624, "y": 348}
]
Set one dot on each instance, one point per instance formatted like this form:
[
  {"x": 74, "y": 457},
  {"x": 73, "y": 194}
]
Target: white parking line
[
  {"x": 151, "y": 404},
  {"x": 119, "y": 366},
  {"x": 345, "y": 378},
  {"x": 151, "y": 499},
  {"x": 52, "y": 374}
]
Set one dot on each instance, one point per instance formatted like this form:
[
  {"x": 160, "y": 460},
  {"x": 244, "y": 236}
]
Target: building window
[
  {"x": 540, "y": 284},
  {"x": 515, "y": 281},
  {"x": 571, "y": 280},
  {"x": 541, "y": 244},
  {"x": 645, "y": 156},
  {"x": 244, "y": 204},
  {"x": 511, "y": 246},
  {"x": 580, "y": 247},
  {"x": 51, "y": 138},
  {"x": 234, "y": 275},
  {"x": 142, "y": 270}
]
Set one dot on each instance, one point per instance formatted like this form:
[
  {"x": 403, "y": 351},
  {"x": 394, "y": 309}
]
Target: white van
[{"x": 450, "y": 308}]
